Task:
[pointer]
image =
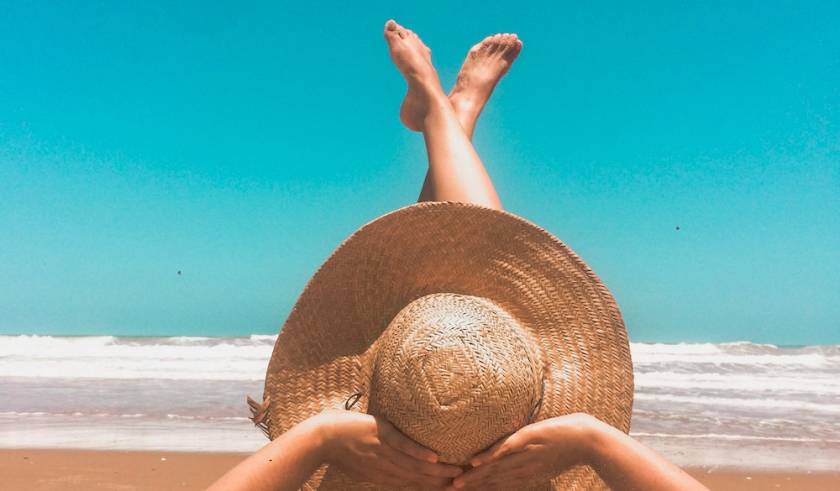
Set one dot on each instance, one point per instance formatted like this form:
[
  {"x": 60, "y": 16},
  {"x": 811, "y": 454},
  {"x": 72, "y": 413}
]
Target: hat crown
[{"x": 456, "y": 373}]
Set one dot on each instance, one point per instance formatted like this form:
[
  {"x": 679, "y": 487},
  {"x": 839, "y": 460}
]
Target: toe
[
  {"x": 486, "y": 45},
  {"x": 512, "y": 52},
  {"x": 494, "y": 43},
  {"x": 389, "y": 30},
  {"x": 393, "y": 31},
  {"x": 512, "y": 48},
  {"x": 395, "y": 27}
]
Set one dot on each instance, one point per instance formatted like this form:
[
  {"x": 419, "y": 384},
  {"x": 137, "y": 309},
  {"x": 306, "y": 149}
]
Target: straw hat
[{"x": 459, "y": 324}]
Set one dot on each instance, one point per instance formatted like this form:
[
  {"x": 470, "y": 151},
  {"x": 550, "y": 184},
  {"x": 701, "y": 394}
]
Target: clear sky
[{"x": 240, "y": 144}]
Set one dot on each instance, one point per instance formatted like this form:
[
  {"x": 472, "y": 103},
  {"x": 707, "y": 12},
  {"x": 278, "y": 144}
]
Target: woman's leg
[
  {"x": 456, "y": 173},
  {"x": 484, "y": 66}
]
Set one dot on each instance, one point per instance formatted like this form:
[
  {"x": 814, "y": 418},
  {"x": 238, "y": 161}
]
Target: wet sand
[{"x": 35, "y": 470}]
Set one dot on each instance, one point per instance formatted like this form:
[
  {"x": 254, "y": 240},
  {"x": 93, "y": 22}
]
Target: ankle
[
  {"x": 428, "y": 88},
  {"x": 437, "y": 99},
  {"x": 466, "y": 108},
  {"x": 439, "y": 109}
]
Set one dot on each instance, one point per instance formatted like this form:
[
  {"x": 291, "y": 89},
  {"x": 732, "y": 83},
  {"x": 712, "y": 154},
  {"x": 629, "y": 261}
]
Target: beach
[
  {"x": 461, "y": 215},
  {"x": 104, "y": 412},
  {"x": 44, "y": 470}
]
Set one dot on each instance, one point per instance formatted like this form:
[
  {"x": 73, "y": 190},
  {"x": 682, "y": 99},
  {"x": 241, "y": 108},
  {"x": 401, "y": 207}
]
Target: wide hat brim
[{"x": 322, "y": 354}]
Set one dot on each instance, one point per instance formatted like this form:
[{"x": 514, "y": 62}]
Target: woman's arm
[
  {"x": 548, "y": 447},
  {"x": 284, "y": 464},
  {"x": 365, "y": 447},
  {"x": 625, "y": 464}
]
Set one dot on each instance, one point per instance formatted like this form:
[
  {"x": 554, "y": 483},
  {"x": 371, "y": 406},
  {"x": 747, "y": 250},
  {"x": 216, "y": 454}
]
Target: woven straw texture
[
  {"x": 459, "y": 324},
  {"x": 456, "y": 373}
]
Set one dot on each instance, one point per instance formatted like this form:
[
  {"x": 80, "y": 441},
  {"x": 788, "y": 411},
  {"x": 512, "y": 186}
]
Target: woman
[{"x": 369, "y": 448}]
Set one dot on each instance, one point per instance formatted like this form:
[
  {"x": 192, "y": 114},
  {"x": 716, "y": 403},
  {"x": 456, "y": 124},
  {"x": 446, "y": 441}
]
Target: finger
[
  {"x": 480, "y": 475},
  {"x": 433, "y": 483},
  {"x": 425, "y": 482},
  {"x": 483, "y": 457},
  {"x": 510, "y": 444},
  {"x": 476, "y": 474},
  {"x": 388, "y": 470},
  {"x": 395, "y": 439},
  {"x": 425, "y": 468}
]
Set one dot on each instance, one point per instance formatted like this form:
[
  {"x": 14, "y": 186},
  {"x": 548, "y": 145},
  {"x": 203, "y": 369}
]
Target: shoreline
[{"x": 71, "y": 469}]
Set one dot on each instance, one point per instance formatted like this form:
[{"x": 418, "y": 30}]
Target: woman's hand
[
  {"x": 547, "y": 448},
  {"x": 542, "y": 449},
  {"x": 370, "y": 449}
]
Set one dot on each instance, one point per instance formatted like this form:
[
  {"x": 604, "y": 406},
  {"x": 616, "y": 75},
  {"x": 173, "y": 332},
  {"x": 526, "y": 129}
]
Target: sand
[{"x": 35, "y": 470}]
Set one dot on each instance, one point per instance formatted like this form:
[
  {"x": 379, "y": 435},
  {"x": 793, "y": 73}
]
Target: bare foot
[
  {"x": 414, "y": 60},
  {"x": 484, "y": 66}
]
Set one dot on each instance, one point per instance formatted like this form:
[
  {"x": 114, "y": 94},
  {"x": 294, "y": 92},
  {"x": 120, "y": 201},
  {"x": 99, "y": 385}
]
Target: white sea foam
[
  {"x": 79, "y": 414},
  {"x": 769, "y": 403},
  {"x": 689, "y": 397},
  {"x": 107, "y": 357},
  {"x": 731, "y": 437},
  {"x": 263, "y": 337},
  {"x": 245, "y": 358},
  {"x": 759, "y": 383},
  {"x": 738, "y": 354},
  {"x": 130, "y": 434}
]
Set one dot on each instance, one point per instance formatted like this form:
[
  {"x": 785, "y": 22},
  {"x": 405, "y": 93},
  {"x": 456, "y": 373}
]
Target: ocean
[{"x": 714, "y": 405}]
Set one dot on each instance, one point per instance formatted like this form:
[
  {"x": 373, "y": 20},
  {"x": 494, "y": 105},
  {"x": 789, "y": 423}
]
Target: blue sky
[{"x": 241, "y": 144}]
